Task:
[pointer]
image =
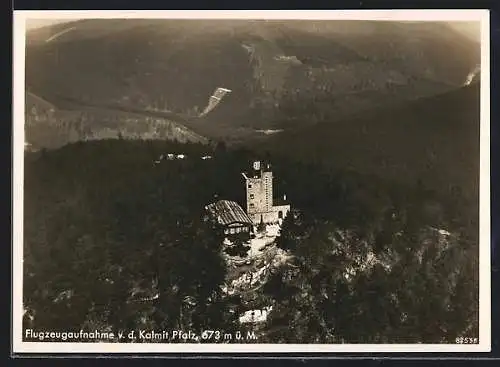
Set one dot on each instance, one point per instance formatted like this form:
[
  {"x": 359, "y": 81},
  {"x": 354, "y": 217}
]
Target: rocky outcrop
[{"x": 49, "y": 127}]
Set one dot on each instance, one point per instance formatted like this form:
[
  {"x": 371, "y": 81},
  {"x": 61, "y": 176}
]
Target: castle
[{"x": 261, "y": 207}]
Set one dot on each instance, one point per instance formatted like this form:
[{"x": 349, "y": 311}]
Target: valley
[{"x": 282, "y": 75}]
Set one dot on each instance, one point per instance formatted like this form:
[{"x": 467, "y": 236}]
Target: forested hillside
[
  {"x": 271, "y": 67},
  {"x": 115, "y": 241},
  {"x": 434, "y": 141},
  {"x": 48, "y": 126}
]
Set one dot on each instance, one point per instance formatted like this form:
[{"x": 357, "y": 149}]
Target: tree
[
  {"x": 107, "y": 240},
  {"x": 408, "y": 295},
  {"x": 220, "y": 148},
  {"x": 103, "y": 229},
  {"x": 288, "y": 233},
  {"x": 239, "y": 246},
  {"x": 261, "y": 227}
]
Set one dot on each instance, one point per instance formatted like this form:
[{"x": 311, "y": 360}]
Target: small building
[
  {"x": 255, "y": 316},
  {"x": 230, "y": 216},
  {"x": 261, "y": 204}
]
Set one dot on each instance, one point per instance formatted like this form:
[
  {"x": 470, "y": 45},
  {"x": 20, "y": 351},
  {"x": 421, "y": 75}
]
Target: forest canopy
[{"x": 115, "y": 241}]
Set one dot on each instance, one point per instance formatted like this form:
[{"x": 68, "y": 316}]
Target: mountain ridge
[
  {"x": 271, "y": 67},
  {"x": 48, "y": 126}
]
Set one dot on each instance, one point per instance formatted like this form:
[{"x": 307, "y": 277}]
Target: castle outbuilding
[
  {"x": 230, "y": 216},
  {"x": 261, "y": 204}
]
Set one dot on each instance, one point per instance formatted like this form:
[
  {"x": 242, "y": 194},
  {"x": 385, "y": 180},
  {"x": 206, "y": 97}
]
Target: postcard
[{"x": 251, "y": 181}]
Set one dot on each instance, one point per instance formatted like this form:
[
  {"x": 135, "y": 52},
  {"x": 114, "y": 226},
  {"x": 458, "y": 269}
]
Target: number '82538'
[{"x": 466, "y": 340}]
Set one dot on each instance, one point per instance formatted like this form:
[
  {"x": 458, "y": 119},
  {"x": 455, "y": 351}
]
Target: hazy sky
[
  {"x": 470, "y": 29},
  {"x": 37, "y": 23}
]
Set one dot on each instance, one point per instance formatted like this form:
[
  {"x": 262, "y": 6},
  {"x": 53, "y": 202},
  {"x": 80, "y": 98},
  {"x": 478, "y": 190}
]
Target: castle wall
[
  {"x": 271, "y": 216},
  {"x": 259, "y": 192},
  {"x": 267, "y": 217},
  {"x": 267, "y": 182},
  {"x": 284, "y": 209},
  {"x": 256, "y": 198}
]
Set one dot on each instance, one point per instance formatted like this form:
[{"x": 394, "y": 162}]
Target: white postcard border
[{"x": 18, "y": 346}]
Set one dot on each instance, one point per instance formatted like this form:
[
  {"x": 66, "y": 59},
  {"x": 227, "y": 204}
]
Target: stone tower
[{"x": 259, "y": 195}]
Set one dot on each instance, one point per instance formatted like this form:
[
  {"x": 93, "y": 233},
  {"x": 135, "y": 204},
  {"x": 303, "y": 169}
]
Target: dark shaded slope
[
  {"x": 418, "y": 48},
  {"x": 139, "y": 64},
  {"x": 433, "y": 141}
]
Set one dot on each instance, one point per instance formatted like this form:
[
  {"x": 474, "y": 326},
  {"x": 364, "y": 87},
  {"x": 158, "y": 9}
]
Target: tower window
[
  {"x": 251, "y": 196},
  {"x": 249, "y": 186}
]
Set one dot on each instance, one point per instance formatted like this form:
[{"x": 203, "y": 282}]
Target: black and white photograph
[{"x": 251, "y": 181}]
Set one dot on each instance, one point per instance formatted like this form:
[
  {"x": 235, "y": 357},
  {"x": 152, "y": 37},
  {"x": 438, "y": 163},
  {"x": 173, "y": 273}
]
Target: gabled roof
[{"x": 227, "y": 212}]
